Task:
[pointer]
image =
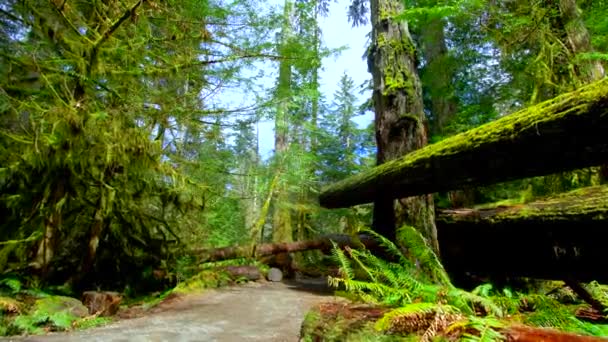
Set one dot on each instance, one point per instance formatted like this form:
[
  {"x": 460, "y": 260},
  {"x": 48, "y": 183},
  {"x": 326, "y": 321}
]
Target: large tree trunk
[
  {"x": 281, "y": 220},
  {"x": 565, "y": 133},
  {"x": 437, "y": 74},
  {"x": 579, "y": 41},
  {"x": 399, "y": 116},
  {"x": 561, "y": 237},
  {"x": 437, "y": 79}
]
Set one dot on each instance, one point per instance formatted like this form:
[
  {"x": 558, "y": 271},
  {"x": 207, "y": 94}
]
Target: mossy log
[
  {"x": 323, "y": 243},
  {"x": 561, "y": 237},
  {"x": 565, "y": 133}
]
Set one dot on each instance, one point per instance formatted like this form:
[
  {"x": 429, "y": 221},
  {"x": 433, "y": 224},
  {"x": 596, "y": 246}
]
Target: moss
[
  {"x": 590, "y": 203},
  {"x": 574, "y": 104},
  {"x": 204, "y": 280}
]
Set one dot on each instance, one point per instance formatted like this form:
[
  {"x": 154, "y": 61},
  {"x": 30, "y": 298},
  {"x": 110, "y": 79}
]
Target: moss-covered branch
[
  {"x": 565, "y": 133},
  {"x": 557, "y": 238}
]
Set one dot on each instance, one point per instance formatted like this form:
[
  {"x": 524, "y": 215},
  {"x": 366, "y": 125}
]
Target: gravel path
[{"x": 252, "y": 312}]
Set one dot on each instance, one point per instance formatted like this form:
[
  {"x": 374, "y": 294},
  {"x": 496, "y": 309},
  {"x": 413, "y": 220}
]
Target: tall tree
[
  {"x": 399, "y": 116},
  {"x": 281, "y": 222}
]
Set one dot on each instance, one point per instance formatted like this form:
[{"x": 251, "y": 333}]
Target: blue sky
[{"x": 337, "y": 32}]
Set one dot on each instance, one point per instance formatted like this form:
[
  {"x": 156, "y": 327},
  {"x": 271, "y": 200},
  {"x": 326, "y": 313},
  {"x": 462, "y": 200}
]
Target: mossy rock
[
  {"x": 204, "y": 280},
  {"x": 56, "y": 304}
]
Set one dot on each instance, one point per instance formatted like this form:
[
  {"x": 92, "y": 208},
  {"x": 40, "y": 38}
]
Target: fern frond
[
  {"x": 345, "y": 267},
  {"x": 396, "y": 275},
  {"x": 483, "y": 290},
  {"x": 357, "y": 256},
  {"x": 486, "y": 329},
  {"x": 467, "y": 302},
  {"x": 420, "y": 250},
  {"x": 390, "y": 247}
]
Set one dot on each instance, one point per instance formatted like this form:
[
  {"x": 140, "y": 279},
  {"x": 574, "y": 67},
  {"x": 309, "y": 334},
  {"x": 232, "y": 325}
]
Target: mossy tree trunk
[
  {"x": 560, "y": 237},
  {"x": 438, "y": 77},
  {"x": 399, "y": 116},
  {"x": 565, "y": 133},
  {"x": 578, "y": 40},
  {"x": 281, "y": 220}
]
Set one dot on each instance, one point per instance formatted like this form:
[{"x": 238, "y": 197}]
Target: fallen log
[
  {"x": 247, "y": 251},
  {"x": 561, "y": 237},
  {"x": 522, "y": 333},
  {"x": 565, "y": 133}
]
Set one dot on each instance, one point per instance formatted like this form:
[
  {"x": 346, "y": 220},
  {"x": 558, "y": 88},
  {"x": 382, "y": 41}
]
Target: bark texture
[
  {"x": 399, "y": 116},
  {"x": 561, "y": 237},
  {"x": 565, "y": 133}
]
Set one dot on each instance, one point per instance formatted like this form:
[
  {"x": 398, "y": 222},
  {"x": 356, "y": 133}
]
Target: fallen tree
[
  {"x": 565, "y": 133},
  {"x": 323, "y": 243},
  {"x": 561, "y": 237}
]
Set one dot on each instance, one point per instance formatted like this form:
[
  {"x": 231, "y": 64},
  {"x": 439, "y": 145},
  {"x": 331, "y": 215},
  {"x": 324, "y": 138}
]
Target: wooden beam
[{"x": 565, "y": 133}]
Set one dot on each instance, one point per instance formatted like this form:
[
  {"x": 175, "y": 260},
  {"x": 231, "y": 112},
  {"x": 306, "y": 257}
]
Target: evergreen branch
[
  {"x": 14, "y": 17},
  {"x": 68, "y": 22},
  {"x": 161, "y": 71},
  {"x": 106, "y": 35},
  {"x": 31, "y": 238}
]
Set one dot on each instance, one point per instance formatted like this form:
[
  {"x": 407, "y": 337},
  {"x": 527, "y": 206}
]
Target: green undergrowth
[
  {"x": 207, "y": 276},
  {"x": 32, "y": 311},
  {"x": 422, "y": 303}
]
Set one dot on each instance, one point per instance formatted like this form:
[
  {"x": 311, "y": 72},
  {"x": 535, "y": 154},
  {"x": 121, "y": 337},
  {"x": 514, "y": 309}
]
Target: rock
[
  {"x": 249, "y": 272},
  {"x": 102, "y": 303},
  {"x": 275, "y": 274},
  {"x": 55, "y": 304}
]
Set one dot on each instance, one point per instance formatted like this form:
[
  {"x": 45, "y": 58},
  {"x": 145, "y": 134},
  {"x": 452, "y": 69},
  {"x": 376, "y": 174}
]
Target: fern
[
  {"x": 13, "y": 284},
  {"x": 390, "y": 247},
  {"x": 486, "y": 329},
  {"x": 345, "y": 267},
  {"x": 419, "y": 249}
]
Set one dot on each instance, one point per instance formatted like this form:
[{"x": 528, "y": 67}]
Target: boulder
[
  {"x": 102, "y": 303},
  {"x": 275, "y": 274}
]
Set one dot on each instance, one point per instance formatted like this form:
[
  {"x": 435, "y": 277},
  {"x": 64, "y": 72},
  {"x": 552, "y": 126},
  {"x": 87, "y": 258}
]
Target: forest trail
[{"x": 251, "y": 312}]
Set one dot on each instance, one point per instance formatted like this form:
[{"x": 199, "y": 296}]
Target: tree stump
[{"x": 102, "y": 303}]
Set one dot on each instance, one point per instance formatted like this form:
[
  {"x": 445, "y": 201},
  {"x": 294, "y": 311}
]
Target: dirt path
[{"x": 252, "y": 312}]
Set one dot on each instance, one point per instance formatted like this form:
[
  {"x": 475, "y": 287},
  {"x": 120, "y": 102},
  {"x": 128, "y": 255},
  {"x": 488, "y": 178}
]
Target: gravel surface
[{"x": 252, "y": 312}]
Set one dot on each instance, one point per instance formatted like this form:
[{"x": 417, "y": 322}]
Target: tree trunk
[
  {"x": 281, "y": 221},
  {"x": 52, "y": 229},
  {"x": 437, "y": 77},
  {"x": 579, "y": 41},
  {"x": 399, "y": 116},
  {"x": 438, "y": 74},
  {"x": 322, "y": 243},
  {"x": 560, "y": 237},
  {"x": 565, "y": 133}
]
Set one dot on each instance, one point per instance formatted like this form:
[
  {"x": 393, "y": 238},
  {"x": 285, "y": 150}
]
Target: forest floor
[{"x": 251, "y": 312}]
